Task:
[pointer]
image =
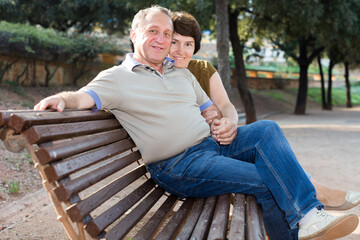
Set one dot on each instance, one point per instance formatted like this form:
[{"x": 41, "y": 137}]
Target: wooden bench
[{"x": 100, "y": 188}]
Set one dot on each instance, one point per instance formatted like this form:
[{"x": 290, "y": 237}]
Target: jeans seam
[{"x": 278, "y": 179}]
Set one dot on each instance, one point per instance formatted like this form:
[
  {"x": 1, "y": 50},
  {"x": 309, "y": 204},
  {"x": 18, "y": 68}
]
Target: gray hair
[{"x": 141, "y": 15}]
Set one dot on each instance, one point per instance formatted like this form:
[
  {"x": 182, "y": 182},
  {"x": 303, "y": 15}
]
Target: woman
[{"x": 186, "y": 43}]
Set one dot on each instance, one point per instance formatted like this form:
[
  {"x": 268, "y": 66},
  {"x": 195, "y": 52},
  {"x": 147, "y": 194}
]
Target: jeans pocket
[{"x": 175, "y": 160}]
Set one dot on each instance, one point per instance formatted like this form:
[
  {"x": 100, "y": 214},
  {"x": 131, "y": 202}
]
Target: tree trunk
[
  {"x": 323, "y": 98},
  {"x": 329, "y": 92},
  {"x": 348, "y": 87},
  {"x": 8, "y": 64},
  {"x": 222, "y": 43},
  {"x": 240, "y": 69},
  {"x": 303, "y": 61}
]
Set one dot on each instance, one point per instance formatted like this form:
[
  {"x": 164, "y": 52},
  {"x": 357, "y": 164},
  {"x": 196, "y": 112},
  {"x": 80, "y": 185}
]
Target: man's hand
[
  {"x": 223, "y": 131},
  {"x": 54, "y": 102},
  {"x": 211, "y": 113}
]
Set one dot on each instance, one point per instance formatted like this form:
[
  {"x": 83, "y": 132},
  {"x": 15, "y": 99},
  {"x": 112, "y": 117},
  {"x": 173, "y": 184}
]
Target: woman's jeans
[{"x": 259, "y": 162}]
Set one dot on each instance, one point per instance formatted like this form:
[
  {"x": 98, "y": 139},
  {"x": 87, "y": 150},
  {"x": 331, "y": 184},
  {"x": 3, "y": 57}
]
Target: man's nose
[{"x": 160, "y": 38}]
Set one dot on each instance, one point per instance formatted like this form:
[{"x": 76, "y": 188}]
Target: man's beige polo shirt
[{"x": 161, "y": 112}]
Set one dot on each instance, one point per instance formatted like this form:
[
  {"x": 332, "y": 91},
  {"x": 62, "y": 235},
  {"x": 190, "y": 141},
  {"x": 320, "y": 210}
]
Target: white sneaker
[{"x": 323, "y": 226}]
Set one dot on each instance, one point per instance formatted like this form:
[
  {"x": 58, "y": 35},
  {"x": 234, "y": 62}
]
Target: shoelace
[{"x": 323, "y": 214}]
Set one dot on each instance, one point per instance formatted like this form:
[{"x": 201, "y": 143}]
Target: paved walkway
[{"x": 325, "y": 142}]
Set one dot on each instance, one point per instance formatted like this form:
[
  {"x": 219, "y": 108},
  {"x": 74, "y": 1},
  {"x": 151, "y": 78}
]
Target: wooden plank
[
  {"x": 72, "y": 187},
  {"x": 190, "y": 224},
  {"x": 237, "y": 225},
  {"x": 125, "y": 225},
  {"x": 218, "y": 228},
  {"x": 79, "y": 210},
  {"x": 203, "y": 224},
  {"x": 43, "y": 133},
  {"x": 52, "y": 151},
  {"x": 6, "y": 114},
  {"x": 23, "y": 120},
  {"x": 253, "y": 226},
  {"x": 72, "y": 164},
  {"x": 98, "y": 224},
  {"x": 150, "y": 228},
  {"x": 172, "y": 228}
]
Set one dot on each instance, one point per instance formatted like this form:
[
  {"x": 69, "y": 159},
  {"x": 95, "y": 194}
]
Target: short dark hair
[{"x": 185, "y": 24}]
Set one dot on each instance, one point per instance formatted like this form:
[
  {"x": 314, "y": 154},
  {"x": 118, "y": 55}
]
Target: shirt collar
[{"x": 130, "y": 63}]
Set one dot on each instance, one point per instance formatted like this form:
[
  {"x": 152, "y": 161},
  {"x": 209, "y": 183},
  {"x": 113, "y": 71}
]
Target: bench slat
[
  {"x": 6, "y": 114},
  {"x": 98, "y": 224},
  {"x": 84, "y": 207},
  {"x": 125, "y": 225},
  {"x": 43, "y": 133},
  {"x": 253, "y": 226},
  {"x": 23, "y": 120},
  {"x": 220, "y": 220},
  {"x": 53, "y": 151},
  {"x": 190, "y": 224},
  {"x": 70, "y": 188},
  {"x": 204, "y": 221},
  {"x": 237, "y": 226},
  {"x": 67, "y": 166},
  {"x": 177, "y": 220},
  {"x": 155, "y": 221}
]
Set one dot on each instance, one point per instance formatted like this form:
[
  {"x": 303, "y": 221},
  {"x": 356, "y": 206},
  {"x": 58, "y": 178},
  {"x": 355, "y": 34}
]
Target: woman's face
[{"x": 182, "y": 50}]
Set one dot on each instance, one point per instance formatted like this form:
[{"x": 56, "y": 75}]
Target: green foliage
[
  {"x": 49, "y": 44},
  {"x": 14, "y": 187}
]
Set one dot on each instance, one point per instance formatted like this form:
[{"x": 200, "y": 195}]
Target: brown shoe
[{"x": 352, "y": 199}]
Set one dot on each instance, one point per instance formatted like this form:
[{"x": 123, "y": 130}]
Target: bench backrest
[{"x": 76, "y": 151}]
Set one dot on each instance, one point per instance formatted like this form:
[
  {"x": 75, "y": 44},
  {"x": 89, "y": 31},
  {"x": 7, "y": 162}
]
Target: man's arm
[{"x": 60, "y": 101}]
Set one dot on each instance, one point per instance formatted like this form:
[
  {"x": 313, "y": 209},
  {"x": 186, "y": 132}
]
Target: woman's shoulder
[{"x": 199, "y": 63}]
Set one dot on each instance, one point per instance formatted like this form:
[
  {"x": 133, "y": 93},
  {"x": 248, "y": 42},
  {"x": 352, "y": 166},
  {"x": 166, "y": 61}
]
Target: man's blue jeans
[{"x": 259, "y": 162}]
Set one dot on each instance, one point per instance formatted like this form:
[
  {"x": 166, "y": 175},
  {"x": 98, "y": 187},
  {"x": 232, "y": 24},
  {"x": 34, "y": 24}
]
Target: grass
[
  {"x": 14, "y": 187},
  {"x": 338, "y": 95}
]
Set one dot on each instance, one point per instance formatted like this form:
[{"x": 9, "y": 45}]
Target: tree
[
  {"x": 293, "y": 26},
  {"x": 238, "y": 45},
  {"x": 80, "y": 15},
  {"x": 341, "y": 21},
  {"x": 222, "y": 42}
]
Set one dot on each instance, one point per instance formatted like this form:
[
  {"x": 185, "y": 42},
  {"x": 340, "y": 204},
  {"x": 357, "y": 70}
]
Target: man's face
[{"x": 152, "y": 41}]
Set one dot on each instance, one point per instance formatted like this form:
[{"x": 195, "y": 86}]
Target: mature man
[{"x": 160, "y": 106}]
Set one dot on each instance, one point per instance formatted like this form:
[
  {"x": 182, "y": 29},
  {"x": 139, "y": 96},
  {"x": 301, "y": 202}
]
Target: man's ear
[{"x": 132, "y": 35}]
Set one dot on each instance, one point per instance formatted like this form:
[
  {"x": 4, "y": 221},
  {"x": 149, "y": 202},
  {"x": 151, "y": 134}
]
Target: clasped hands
[{"x": 223, "y": 130}]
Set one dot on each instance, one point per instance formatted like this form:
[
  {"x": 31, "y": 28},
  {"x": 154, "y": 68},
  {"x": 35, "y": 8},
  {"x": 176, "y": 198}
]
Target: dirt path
[{"x": 326, "y": 144}]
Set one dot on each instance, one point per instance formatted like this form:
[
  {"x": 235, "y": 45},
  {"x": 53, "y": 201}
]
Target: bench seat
[{"x": 100, "y": 188}]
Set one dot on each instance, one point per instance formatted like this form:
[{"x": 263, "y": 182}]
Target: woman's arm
[{"x": 225, "y": 129}]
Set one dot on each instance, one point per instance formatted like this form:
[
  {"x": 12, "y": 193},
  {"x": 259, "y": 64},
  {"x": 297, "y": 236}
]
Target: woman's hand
[{"x": 223, "y": 131}]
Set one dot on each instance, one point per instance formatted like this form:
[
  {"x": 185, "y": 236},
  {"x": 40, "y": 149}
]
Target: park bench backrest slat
[
  {"x": 24, "y": 120},
  {"x": 69, "y": 165},
  {"x": 50, "y": 152},
  {"x": 44, "y": 133},
  {"x": 72, "y": 187},
  {"x": 130, "y": 220},
  {"x": 85, "y": 206},
  {"x": 98, "y": 224}
]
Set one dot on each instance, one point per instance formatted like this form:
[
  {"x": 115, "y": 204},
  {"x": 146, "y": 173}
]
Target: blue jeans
[{"x": 259, "y": 162}]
